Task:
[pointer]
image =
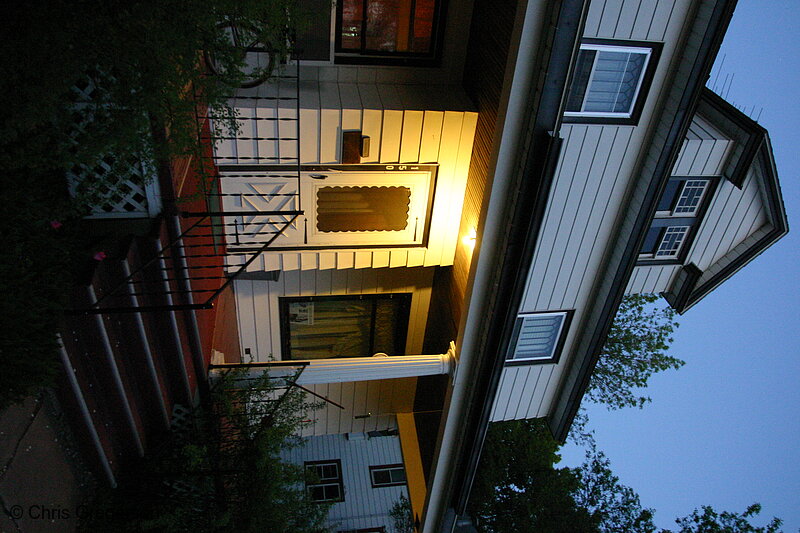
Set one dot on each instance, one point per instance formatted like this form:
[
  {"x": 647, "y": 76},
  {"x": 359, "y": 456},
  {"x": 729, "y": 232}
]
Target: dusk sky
[{"x": 724, "y": 430}]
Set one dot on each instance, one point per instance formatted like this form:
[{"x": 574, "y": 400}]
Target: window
[
  {"x": 363, "y": 208},
  {"x": 677, "y": 217},
  {"x": 610, "y": 81},
  {"x": 324, "y": 481},
  {"x": 388, "y": 31},
  {"x": 324, "y": 327},
  {"x": 538, "y": 338},
  {"x": 387, "y": 475}
]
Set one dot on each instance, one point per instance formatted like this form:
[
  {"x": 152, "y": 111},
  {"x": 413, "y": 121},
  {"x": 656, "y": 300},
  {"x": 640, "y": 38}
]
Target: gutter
[{"x": 528, "y": 153}]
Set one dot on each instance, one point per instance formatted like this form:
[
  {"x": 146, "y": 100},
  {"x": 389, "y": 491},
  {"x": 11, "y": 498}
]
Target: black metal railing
[{"x": 212, "y": 247}]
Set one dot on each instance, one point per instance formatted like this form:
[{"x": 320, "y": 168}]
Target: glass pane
[
  {"x": 363, "y": 208},
  {"x": 316, "y": 493},
  {"x": 313, "y": 40},
  {"x": 538, "y": 336},
  {"x": 614, "y": 82},
  {"x": 398, "y": 475},
  {"x": 381, "y": 477},
  {"x": 580, "y": 82},
  {"x": 651, "y": 240},
  {"x": 329, "y": 328},
  {"x": 387, "y": 25},
  {"x": 692, "y": 193},
  {"x": 422, "y": 40},
  {"x": 672, "y": 241},
  {"x": 668, "y": 198},
  {"x": 352, "y": 18},
  {"x": 329, "y": 471},
  {"x": 332, "y": 492},
  {"x": 386, "y": 326}
]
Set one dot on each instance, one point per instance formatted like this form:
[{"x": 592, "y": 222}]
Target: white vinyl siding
[
  {"x": 363, "y": 505},
  {"x": 411, "y": 124},
  {"x": 593, "y": 178}
]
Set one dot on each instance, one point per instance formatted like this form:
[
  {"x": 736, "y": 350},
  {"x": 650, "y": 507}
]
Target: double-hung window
[
  {"x": 677, "y": 217},
  {"x": 610, "y": 81},
  {"x": 387, "y": 475},
  {"x": 324, "y": 481},
  {"x": 537, "y": 338}
]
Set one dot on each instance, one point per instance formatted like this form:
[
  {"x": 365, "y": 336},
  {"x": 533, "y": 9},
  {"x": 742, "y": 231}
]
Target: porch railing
[{"x": 210, "y": 248}]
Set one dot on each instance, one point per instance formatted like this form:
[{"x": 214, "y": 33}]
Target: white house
[{"x": 497, "y": 174}]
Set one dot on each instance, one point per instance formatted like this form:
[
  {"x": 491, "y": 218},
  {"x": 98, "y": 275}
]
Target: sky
[{"x": 724, "y": 430}]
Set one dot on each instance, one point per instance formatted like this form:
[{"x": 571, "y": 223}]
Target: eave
[{"x": 709, "y": 25}]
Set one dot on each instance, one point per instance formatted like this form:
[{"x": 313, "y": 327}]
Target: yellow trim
[{"x": 417, "y": 488}]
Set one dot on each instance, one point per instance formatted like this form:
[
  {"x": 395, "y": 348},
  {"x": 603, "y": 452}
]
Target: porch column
[{"x": 346, "y": 369}]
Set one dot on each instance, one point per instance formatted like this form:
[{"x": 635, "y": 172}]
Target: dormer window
[{"x": 677, "y": 218}]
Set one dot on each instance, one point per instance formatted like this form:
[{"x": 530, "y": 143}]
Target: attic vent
[{"x": 536, "y": 337}]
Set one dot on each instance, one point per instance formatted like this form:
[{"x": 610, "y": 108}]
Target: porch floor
[{"x": 226, "y": 328}]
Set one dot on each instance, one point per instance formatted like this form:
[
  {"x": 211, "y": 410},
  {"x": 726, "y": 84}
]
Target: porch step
[{"x": 125, "y": 373}]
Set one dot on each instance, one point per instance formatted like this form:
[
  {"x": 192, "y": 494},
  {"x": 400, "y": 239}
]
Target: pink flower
[
  {"x": 99, "y": 256},
  {"x": 55, "y": 224}
]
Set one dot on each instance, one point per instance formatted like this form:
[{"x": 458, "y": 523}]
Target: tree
[
  {"x": 634, "y": 350},
  {"x": 221, "y": 470},
  {"x": 707, "y": 520},
  {"x": 518, "y": 489},
  {"x": 615, "y": 506}
]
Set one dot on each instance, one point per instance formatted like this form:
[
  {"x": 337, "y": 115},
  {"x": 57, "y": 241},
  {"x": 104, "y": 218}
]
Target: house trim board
[
  {"x": 779, "y": 223},
  {"x": 623, "y": 253},
  {"x": 751, "y": 135}
]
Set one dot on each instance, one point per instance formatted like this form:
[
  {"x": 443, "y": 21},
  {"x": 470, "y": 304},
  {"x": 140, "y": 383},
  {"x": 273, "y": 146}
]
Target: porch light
[{"x": 469, "y": 238}]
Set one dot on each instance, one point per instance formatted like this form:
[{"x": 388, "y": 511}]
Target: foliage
[
  {"x": 84, "y": 84},
  {"x": 32, "y": 263},
  {"x": 222, "y": 473},
  {"x": 707, "y": 520},
  {"x": 402, "y": 515},
  {"x": 635, "y": 350},
  {"x": 615, "y": 506},
  {"x": 518, "y": 489},
  {"x": 138, "y": 62}
]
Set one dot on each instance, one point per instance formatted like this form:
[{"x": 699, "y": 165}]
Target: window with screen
[
  {"x": 610, "y": 81},
  {"x": 537, "y": 337}
]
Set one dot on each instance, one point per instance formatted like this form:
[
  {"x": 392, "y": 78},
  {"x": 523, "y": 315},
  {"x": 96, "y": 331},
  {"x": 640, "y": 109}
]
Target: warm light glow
[{"x": 469, "y": 238}]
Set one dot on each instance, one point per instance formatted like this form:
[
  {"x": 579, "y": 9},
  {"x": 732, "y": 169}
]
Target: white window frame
[
  {"x": 557, "y": 341},
  {"x": 647, "y": 51},
  {"x": 670, "y": 252},
  {"x": 387, "y": 468},
  {"x": 325, "y": 481}
]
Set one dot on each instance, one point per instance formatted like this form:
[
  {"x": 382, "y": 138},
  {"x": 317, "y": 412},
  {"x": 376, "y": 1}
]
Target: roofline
[
  {"x": 777, "y": 215},
  {"x": 752, "y": 129},
  {"x": 577, "y": 381}
]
